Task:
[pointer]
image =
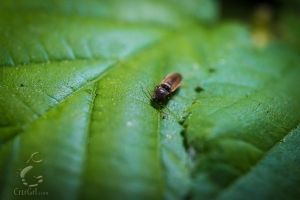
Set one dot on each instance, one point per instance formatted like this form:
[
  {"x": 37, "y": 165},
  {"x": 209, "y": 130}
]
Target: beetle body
[{"x": 166, "y": 87}]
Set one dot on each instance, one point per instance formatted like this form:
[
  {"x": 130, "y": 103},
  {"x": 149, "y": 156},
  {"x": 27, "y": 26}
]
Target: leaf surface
[{"x": 74, "y": 81}]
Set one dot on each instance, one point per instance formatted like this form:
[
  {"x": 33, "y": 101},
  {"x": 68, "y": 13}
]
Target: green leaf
[
  {"x": 246, "y": 110},
  {"x": 74, "y": 79}
]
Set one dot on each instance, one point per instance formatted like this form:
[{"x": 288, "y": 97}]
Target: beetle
[{"x": 168, "y": 85}]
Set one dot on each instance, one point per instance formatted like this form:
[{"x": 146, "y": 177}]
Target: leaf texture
[{"x": 74, "y": 80}]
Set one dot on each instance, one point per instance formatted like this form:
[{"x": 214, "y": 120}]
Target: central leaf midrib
[
  {"x": 159, "y": 157},
  {"x": 87, "y": 135}
]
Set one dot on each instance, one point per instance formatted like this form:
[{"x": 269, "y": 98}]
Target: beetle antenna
[
  {"x": 149, "y": 97},
  {"x": 148, "y": 91},
  {"x": 146, "y": 94}
]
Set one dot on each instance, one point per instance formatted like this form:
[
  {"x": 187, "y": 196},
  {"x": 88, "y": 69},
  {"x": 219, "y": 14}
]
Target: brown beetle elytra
[{"x": 166, "y": 87}]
